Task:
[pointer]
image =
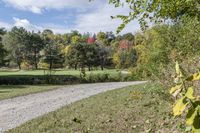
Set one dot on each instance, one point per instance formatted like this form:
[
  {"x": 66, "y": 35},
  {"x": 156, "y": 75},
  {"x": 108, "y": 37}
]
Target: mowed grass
[
  {"x": 56, "y": 72},
  {"x": 136, "y": 109},
  {"x": 10, "y": 91}
]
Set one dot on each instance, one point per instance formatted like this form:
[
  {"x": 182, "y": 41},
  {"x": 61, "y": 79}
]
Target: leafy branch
[{"x": 187, "y": 101}]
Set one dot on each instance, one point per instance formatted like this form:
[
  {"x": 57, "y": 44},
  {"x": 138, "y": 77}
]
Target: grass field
[
  {"x": 10, "y": 91},
  {"x": 137, "y": 109},
  {"x": 56, "y": 72}
]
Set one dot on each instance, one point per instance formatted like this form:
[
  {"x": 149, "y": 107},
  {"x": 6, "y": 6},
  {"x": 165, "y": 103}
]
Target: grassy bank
[
  {"x": 10, "y": 91},
  {"x": 142, "y": 108},
  {"x": 55, "y": 72},
  {"x": 60, "y": 77}
]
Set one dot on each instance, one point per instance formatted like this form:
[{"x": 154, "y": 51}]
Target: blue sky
[{"x": 62, "y": 16}]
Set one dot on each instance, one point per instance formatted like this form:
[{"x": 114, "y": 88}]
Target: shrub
[{"x": 38, "y": 79}]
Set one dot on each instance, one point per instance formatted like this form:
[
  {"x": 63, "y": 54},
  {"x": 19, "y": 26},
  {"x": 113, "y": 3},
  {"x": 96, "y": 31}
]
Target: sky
[{"x": 63, "y": 16}]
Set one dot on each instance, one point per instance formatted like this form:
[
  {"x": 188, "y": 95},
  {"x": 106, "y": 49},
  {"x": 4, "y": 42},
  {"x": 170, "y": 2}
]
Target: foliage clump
[{"x": 188, "y": 102}]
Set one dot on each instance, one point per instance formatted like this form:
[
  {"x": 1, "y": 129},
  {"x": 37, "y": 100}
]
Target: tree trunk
[
  {"x": 75, "y": 67},
  {"x": 19, "y": 66},
  {"x": 102, "y": 67},
  {"x": 50, "y": 65},
  {"x": 89, "y": 68},
  {"x": 35, "y": 60}
]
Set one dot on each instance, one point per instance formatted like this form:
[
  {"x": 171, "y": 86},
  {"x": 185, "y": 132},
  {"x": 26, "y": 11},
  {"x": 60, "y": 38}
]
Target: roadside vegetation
[
  {"x": 130, "y": 109},
  {"x": 150, "y": 54}
]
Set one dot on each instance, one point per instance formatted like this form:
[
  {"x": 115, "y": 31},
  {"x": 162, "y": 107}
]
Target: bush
[
  {"x": 93, "y": 78},
  {"x": 38, "y": 79},
  {"x": 62, "y": 79}
]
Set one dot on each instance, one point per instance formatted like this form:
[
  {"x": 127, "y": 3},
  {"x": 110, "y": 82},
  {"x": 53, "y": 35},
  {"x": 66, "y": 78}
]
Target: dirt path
[{"x": 19, "y": 110}]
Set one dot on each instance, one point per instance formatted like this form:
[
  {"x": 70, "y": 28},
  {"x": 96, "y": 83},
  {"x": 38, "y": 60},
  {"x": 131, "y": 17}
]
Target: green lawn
[
  {"x": 10, "y": 91},
  {"x": 143, "y": 108},
  {"x": 56, "y": 72}
]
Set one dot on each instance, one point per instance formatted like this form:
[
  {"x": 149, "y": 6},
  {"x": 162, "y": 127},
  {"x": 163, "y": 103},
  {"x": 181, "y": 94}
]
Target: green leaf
[
  {"x": 194, "y": 77},
  {"x": 173, "y": 89},
  {"x": 192, "y": 113},
  {"x": 180, "y": 106},
  {"x": 196, "y": 125},
  {"x": 189, "y": 93}
]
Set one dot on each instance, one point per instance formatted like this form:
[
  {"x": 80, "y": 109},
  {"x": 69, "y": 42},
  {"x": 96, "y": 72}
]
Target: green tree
[
  {"x": 156, "y": 10},
  {"x": 128, "y": 36},
  {"x": 91, "y": 52},
  {"x": 15, "y": 43},
  {"x": 71, "y": 57},
  {"x": 102, "y": 39},
  {"x": 34, "y": 47},
  {"x": 103, "y": 56},
  {"x": 3, "y": 52},
  {"x": 51, "y": 54}
]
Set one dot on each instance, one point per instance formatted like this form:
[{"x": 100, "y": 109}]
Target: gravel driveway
[{"x": 19, "y": 110}]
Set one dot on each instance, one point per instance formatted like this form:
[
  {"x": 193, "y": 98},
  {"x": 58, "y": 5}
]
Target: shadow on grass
[
  {"x": 4, "y": 91},
  {"x": 12, "y": 87}
]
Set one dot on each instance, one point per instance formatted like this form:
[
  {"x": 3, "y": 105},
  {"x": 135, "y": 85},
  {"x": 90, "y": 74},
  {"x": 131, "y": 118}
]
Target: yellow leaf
[
  {"x": 189, "y": 93},
  {"x": 173, "y": 89},
  {"x": 194, "y": 77},
  {"x": 180, "y": 106}
]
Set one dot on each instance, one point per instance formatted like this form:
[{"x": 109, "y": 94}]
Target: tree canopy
[{"x": 156, "y": 10}]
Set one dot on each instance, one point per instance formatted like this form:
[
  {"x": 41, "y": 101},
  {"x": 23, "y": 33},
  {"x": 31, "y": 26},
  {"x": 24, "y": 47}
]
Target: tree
[
  {"x": 128, "y": 36},
  {"x": 156, "y": 10},
  {"x": 105, "y": 38},
  {"x": 103, "y": 56},
  {"x": 125, "y": 58},
  {"x": 102, "y": 39},
  {"x": 15, "y": 43},
  {"x": 34, "y": 47},
  {"x": 51, "y": 53},
  {"x": 91, "y": 52},
  {"x": 3, "y": 52},
  {"x": 71, "y": 56}
]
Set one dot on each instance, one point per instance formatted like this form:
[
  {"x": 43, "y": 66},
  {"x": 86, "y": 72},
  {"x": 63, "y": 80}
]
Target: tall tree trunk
[
  {"x": 75, "y": 67},
  {"x": 19, "y": 66},
  {"x": 102, "y": 65},
  {"x": 50, "y": 64},
  {"x": 35, "y": 59},
  {"x": 102, "y": 68}
]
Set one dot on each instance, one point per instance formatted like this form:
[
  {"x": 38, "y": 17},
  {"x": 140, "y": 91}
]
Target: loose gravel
[{"x": 16, "y": 111}]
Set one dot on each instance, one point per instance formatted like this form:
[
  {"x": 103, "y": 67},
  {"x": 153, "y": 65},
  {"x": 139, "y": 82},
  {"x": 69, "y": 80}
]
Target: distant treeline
[{"x": 46, "y": 50}]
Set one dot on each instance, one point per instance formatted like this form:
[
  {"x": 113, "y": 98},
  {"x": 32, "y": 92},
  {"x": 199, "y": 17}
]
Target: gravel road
[{"x": 16, "y": 111}]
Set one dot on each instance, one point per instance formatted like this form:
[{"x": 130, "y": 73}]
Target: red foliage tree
[
  {"x": 90, "y": 40},
  {"x": 125, "y": 44}
]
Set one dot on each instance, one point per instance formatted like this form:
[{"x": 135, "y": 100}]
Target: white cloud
[
  {"x": 93, "y": 23},
  {"x": 36, "y": 10},
  {"x": 100, "y": 20},
  {"x": 37, "y": 6},
  {"x": 5, "y": 25},
  {"x": 33, "y": 27}
]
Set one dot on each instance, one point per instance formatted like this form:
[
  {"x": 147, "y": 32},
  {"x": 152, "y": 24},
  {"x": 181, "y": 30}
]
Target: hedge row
[
  {"x": 38, "y": 79},
  {"x": 59, "y": 79}
]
